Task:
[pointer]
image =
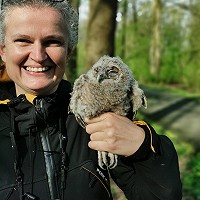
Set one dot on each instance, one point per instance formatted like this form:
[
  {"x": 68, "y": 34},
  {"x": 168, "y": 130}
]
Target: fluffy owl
[{"x": 109, "y": 86}]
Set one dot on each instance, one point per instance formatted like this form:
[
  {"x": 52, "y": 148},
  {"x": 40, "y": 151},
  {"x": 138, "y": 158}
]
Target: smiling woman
[{"x": 35, "y": 60}]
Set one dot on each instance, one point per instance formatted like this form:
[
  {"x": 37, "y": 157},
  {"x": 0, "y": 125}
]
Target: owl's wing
[
  {"x": 77, "y": 96},
  {"x": 138, "y": 97},
  {"x": 78, "y": 117}
]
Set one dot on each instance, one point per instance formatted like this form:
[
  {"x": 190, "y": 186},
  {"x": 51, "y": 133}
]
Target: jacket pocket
[
  {"x": 87, "y": 182},
  {"x": 97, "y": 176}
]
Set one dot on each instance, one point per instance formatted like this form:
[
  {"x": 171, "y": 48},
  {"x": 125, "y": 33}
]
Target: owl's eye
[{"x": 112, "y": 72}]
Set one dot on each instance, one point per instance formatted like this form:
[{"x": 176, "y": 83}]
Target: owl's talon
[
  {"x": 107, "y": 159},
  {"x": 113, "y": 160},
  {"x": 100, "y": 159}
]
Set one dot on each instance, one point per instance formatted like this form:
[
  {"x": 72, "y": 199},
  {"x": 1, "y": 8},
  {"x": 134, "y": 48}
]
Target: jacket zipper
[{"x": 47, "y": 154}]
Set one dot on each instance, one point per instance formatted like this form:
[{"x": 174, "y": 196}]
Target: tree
[
  {"x": 101, "y": 30},
  {"x": 155, "y": 48},
  {"x": 134, "y": 6},
  {"x": 124, "y": 26},
  {"x": 191, "y": 53},
  {"x": 194, "y": 35}
]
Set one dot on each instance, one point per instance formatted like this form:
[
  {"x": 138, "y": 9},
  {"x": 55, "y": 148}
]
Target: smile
[{"x": 37, "y": 69}]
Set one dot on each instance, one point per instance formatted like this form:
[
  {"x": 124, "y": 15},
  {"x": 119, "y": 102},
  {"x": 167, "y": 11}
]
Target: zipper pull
[{"x": 38, "y": 104}]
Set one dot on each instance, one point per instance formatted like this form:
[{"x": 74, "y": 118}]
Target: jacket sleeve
[{"x": 151, "y": 173}]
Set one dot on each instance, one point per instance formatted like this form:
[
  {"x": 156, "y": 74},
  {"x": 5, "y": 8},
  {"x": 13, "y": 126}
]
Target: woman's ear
[
  {"x": 3, "y": 52},
  {"x": 3, "y": 73}
]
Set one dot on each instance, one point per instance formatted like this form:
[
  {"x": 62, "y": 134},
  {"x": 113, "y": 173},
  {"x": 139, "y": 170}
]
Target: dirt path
[{"x": 176, "y": 113}]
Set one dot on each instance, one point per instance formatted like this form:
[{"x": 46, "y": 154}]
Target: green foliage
[
  {"x": 170, "y": 75},
  {"x": 136, "y": 49},
  {"x": 191, "y": 177},
  {"x": 180, "y": 50},
  {"x": 117, "y": 192}
]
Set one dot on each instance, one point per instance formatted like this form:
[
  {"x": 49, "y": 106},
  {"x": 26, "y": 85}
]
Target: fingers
[
  {"x": 102, "y": 146},
  {"x": 98, "y": 136},
  {"x": 103, "y": 117},
  {"x": 115, "y": 134},
  {"x": 102, "y": 123},
  {"x": 101, "y": 130}
]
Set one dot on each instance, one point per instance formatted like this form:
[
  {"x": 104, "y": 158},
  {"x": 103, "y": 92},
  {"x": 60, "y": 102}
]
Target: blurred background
[{"x": 160, "y": 41}]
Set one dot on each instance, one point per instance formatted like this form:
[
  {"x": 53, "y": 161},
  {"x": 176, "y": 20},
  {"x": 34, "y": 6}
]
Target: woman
[{"x": 44, "y": 153}]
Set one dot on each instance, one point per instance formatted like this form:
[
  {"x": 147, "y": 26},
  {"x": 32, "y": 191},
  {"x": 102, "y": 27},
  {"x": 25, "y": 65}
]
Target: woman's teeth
[{"x": 37, "y": 69}]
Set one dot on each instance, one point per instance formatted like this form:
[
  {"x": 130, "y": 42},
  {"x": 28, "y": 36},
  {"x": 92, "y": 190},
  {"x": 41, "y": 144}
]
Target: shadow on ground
[{"x": 172, "y": 112}]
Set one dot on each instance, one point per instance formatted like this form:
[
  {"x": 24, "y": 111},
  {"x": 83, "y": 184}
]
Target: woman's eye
[
  {"x": 53, "y": 43},
  {"x": 22, "y": 41}
]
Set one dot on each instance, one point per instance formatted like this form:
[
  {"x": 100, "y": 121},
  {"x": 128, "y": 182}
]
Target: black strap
[
  {"x": 63, "y": 162},
  {"x": 64, "y": 159},
  {"x": 17, "y": 168}
]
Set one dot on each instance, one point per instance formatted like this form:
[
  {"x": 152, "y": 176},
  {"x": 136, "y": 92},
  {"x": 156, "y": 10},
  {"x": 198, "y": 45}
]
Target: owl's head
[{"x": 109, "y": 68}]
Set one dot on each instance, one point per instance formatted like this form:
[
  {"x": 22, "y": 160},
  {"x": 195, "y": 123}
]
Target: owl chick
[{"x": 109, "y": 86}]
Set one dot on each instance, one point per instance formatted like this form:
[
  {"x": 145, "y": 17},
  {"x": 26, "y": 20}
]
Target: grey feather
[{"x": 109, "y": 86}]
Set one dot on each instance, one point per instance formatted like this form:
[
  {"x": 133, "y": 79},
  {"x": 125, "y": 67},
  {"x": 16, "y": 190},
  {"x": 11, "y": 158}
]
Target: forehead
[{"x": 33, "y": 17}]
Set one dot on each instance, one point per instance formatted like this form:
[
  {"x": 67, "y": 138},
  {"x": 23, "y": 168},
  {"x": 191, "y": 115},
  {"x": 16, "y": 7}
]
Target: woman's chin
[{"x": 38, "y": 87}]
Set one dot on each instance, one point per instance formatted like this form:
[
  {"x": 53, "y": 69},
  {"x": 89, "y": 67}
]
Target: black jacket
[{"x": 44, "y": 154}]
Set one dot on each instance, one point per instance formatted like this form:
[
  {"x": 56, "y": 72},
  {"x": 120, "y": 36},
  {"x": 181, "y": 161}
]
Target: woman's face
[{"x": 35, "y": 49}]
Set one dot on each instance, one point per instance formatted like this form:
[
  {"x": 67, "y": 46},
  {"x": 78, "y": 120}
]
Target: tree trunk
[
  {"x": 134, "y": 8},
  {"x": 101, "y": 30},
  {"x": 124, "y": 21},
  {"x": 155, "y": 48},
  {"x": 194, "y": 35},
  {"x": 133, "y": 35}
]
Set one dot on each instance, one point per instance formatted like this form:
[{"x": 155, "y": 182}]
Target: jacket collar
[{"x": 28, "y": 118}]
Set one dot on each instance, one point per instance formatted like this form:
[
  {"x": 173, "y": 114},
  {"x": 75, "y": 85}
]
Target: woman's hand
[{"x": 115, "y": 134}]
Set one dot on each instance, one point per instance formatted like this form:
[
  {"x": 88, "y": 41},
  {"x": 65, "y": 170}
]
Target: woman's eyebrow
[
  {"x": 18, "y": 35},
  {"x": 54, "y": 36}
]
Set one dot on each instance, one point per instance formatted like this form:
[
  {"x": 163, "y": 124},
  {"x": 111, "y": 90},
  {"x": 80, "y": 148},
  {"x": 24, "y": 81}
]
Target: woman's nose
[{"x": 38, "y": 53}]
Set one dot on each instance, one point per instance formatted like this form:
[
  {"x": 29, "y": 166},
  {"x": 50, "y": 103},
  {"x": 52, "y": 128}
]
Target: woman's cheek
[{"x": 59, "y": 57}]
